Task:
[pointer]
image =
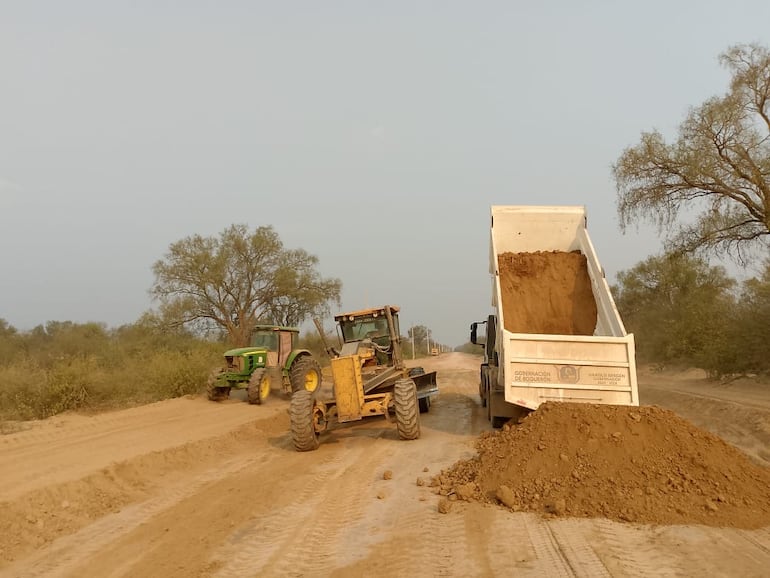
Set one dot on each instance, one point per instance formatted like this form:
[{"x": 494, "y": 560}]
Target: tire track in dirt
[
  {"x": 722, "y": 400},
  {"x": 312, "y": 530},
  {"x": 63, "y": 556},
  {"x": 550, "y": 558},
  {"x": 569, "y": 538},
  {"x": 758, "y": 538},
  {"x": 53, "y": 452},
  {"x": 246, "y": 505},
  {"x": 313, "y": 552},
  {"x": 43, "y": 516},
  {"x": 630, "y": 553},
  {"x": 754, "y": 549},
  {"x": 418, "y": 541},
  {"x": 251, "y": 547},
  {"x": 744, "y": 425},
  {"x": 404, "y": 527},
  {"x": 507, "y": 548},
  {"x": 80, "y": 426},
  {"x": 633, "y": 550},
  {"x": 181, "y": 539}
]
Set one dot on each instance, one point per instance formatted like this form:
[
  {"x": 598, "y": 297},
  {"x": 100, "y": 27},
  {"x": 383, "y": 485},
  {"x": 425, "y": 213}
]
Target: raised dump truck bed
[{"x": 553, "y": 346}]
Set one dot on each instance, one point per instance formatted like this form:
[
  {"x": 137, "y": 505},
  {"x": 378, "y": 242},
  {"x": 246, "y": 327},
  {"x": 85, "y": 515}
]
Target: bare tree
[
  {"x": 237, "y": 280},
  {"x": 716, "y": 174}
]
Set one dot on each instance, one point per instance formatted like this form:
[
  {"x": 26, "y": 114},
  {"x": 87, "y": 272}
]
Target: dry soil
[
  {"x": 190, "y": 487},
  {"x": 547, "y": 292},
  {"x": 642, "y": 464}
]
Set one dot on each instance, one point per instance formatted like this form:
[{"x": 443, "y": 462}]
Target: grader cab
[{"x": 370, "y": 379}]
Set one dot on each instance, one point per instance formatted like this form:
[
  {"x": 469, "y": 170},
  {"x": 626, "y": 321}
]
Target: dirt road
[{"x": 192, "y": 488}]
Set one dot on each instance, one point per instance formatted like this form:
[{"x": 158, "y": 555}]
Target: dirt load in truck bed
[
  {"x": 634, "y": 464},
  {"x": 547, "y": 292}
]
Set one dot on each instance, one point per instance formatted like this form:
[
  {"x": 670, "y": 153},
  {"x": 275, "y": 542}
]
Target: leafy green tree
[
  {"x": 678, "y": 307},
  {"x": 238, "y": 279},
  {"x": 717, "y": 169},
  {"x": 420, "y": 334}
]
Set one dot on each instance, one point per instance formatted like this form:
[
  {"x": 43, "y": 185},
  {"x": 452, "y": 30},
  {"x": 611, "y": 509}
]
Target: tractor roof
[
  {"x": 364, "y": 312},
  {"x": 275, "y": 328}
]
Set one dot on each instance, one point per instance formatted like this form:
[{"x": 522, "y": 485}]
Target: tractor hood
[{"x": 245, "y": 351}]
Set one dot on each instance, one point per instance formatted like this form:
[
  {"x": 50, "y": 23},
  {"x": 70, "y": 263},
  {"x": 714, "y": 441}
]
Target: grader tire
[
  {"x": 214, "y": 392},
  {"x": 301, "y": 416},
  {"x": 407, "y": 411},
  {"x": 305, "y": 373},
  {"x": 259, "y": 387}
]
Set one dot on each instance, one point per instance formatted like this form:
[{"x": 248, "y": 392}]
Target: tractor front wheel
[
  {"x": 305, "y": 374},
  {"x": 301, "y": 414},
  {"x": 407, "y": 412},
  {"x": 213, "y": 391},
  {"x": 259, "y": 387}
]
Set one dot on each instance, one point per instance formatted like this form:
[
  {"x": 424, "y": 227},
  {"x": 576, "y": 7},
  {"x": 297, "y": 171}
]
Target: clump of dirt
[
  {"x": 633, "y": 464},
  {"x": 547, "y": 292}
]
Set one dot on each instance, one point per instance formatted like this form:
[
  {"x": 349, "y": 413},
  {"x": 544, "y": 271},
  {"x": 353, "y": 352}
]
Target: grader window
[{"x": 364, "y": 327}]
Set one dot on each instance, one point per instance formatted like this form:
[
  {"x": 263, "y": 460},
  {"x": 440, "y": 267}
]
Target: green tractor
[{"x": 270, "y": 360}]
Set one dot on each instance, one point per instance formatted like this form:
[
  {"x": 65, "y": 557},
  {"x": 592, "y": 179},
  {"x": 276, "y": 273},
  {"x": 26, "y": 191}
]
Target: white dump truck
[{"x": 528, "y": 359}]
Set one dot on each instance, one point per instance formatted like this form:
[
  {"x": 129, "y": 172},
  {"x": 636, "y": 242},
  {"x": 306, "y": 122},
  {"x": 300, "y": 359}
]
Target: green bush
[
  {"x": 175, "y": 373},
  {"x": 65, "y": 366}
]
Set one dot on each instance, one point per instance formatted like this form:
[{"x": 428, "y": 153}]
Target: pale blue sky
[{"x": 374, "y": 135}]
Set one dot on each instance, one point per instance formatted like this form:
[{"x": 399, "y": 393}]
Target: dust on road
[{"x": 193, "y": 488}]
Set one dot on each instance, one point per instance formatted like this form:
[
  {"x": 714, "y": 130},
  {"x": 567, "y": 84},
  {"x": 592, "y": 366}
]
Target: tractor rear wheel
[
  {"x": 213, "y": 391},
  {"x": 305, "y": 373},
  {"x": 259, "y": 386},
  {"x": 407, "y": 413},
  {"x": 301, "y": 413}
]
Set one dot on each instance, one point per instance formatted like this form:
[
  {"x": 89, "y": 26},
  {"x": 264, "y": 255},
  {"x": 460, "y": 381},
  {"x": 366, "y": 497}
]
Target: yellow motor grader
[{"x": 370, "y": 379}]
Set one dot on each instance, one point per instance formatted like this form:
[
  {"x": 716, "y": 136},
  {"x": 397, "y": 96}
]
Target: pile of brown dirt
[
  {"x": 634, "y": 464},
  {"x": 547, "y": 292}
]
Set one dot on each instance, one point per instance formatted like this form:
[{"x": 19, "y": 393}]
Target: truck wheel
[
  {"x": 213, "y": 391},
  {"x": 305, "y": 373},
  {"x": 407, "y": 414},
  {"x": 301, "y": 416},
  {"x": 499, "y": 421},
  {"x": 424, "y": 403},
  {"x": 259, "y": 387}
]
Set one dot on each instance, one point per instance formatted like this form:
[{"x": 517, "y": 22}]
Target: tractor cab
[{"x": 278, "y": 341}]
